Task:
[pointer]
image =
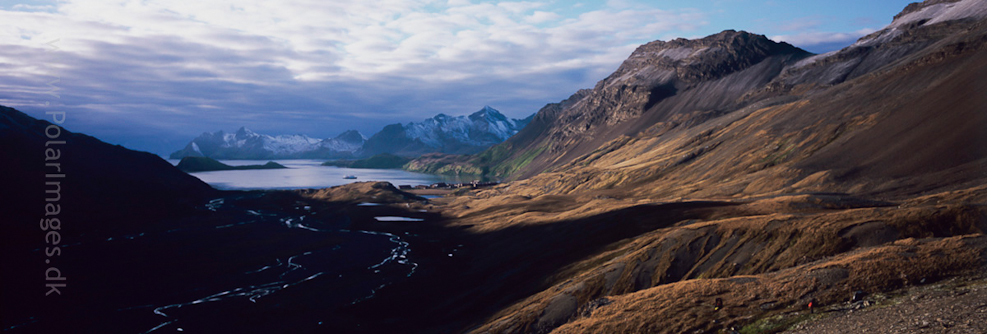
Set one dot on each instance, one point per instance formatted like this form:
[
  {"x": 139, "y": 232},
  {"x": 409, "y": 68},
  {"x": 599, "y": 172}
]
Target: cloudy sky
[{"x": 152, "y": 74}]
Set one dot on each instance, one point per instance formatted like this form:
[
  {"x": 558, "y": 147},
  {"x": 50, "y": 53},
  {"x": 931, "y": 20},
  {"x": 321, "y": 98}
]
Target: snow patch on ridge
[{"x": 942, "y": 12}]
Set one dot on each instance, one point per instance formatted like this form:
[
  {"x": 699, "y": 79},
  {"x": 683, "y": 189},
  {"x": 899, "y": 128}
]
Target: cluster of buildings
[{"x": 442, "y": 185}]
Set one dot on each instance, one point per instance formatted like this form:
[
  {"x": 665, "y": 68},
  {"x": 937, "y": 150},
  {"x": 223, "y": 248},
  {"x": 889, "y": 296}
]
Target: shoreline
[{"x": 429, "y": 192}]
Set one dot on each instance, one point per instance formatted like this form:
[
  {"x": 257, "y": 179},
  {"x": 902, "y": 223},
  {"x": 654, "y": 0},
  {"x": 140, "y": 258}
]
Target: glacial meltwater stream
[{"x": 355, "y": 267}]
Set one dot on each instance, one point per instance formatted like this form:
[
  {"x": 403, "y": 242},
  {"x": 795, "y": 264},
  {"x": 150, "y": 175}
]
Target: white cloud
[
  {"x": 541, "y": 17},
  {"x": 158, "y": 61},
  {"x": 520, "y": 6},
  {"x": 32, "y": 8},
  {"x": 801, "y": 24},
  {"x": 815, "y": 38},
  {"x": 358, "y": 38}
]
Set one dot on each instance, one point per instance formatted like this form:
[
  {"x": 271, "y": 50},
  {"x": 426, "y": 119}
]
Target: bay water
[{"x": 306, "y": 173}]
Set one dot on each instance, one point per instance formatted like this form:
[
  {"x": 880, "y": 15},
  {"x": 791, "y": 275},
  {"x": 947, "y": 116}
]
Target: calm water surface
[{"x": 303, "y": 173}]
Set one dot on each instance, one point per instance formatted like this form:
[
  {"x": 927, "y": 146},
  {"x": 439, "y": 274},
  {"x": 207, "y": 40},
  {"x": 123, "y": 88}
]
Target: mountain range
[
  {"x": 442, "y": 133},
  {"x": 246, "y": 144},
  {"x": 445, "y": 134}
]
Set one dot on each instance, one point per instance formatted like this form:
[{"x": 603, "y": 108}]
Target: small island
[
  {"x": 204, "y": 164},
  {"x": 380, "y": 161}
]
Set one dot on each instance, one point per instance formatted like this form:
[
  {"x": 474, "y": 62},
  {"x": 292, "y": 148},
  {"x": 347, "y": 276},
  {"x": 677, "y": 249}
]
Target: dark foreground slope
[
  {"x": 91, "y": 169},
  {"x": 62, "y": 188}
]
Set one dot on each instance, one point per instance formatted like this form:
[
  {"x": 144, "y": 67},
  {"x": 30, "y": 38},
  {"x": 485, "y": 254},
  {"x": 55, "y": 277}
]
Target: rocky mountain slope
[
  {"x": 445, "y": 134},
  {"x": 246, "y": 144},
  {"x": 664, "y": 89},
  {"x": 902, "y": 116},
  {"x": 660, "y": 82},
  {"x": 735, "y": 168}
]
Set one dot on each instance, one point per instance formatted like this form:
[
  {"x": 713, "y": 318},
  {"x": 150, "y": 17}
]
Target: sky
[{"x": 153, "y": 74}]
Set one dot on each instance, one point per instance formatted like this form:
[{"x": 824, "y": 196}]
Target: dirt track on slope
[{"x": 954, "y": 306}]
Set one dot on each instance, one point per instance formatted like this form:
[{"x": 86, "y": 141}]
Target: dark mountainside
[
  {"x": 203, "y": 164},
  {"x": 106, "y": 190},
  {"x": 103, "y": 172}
]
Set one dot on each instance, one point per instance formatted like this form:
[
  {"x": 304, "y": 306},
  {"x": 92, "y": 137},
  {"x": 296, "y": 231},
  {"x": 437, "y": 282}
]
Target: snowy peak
[
  {"x": 489, "y": 115},
  {"x": 244, "y": 133},
  {"x": 447, "y": 134},
  {"x": 482, "y": 128}
]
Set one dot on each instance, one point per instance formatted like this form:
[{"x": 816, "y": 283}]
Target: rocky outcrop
[
  {"x": 658, "y": 71},
  {"x": 659, "y": 81}
]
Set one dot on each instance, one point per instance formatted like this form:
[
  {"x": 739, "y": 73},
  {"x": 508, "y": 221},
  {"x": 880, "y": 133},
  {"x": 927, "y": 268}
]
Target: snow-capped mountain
[
  {"x": 442, "y": 133},
  {"x": 246, "y": 144},
  {"x": 445, "y": 134}
]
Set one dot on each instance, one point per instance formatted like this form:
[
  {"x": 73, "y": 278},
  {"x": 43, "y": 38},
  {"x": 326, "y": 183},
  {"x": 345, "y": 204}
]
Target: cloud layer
[{"x": 151, "y": 74}]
